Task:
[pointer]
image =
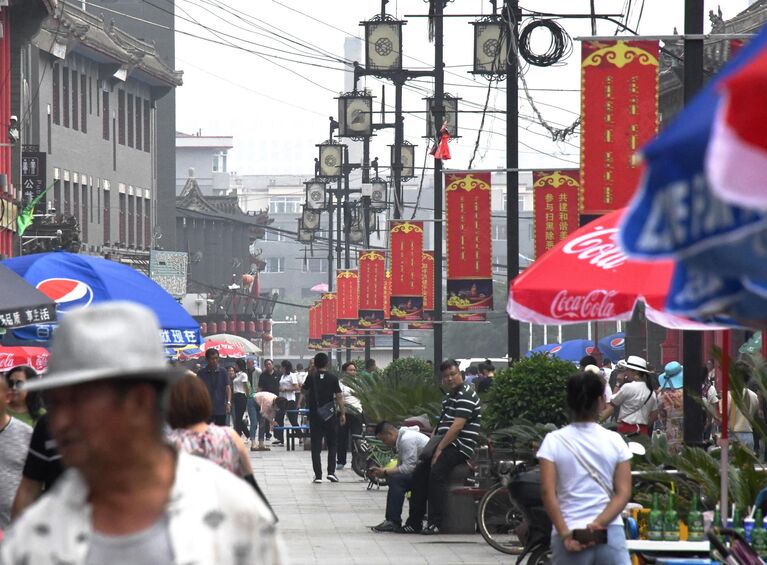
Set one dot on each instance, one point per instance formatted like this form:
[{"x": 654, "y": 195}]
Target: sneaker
[
  {"x": 317, "y": 480},
  {"x": 408, "y": 529},
  {"x": 277, "y": 442},
  {"x": 263, "y": 448},
  {"x": 332, "y": 478},
  {"x": 253, "y": 448},
  {"x": 386, "y": 526},
  {"x": 431, "y": 530},
  {"x": 340, "y": 467}
]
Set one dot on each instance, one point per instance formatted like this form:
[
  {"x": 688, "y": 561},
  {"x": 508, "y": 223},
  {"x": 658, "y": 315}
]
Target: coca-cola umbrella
[
  {"x": 35, "y": 357},
  {"x": 587, "y": 278}
]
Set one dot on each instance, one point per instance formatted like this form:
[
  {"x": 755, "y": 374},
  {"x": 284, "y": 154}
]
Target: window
[
  {"x": 84, "y": 215},
  {"x": 65, "y": 95},
  {"x": 499, "y": 232},
  {"x": 107, "y": 216},
  {"x": 147, "y": 132},
  {"x": 56, "y": 98},
  {"x": 131, "y": 220},
  {"x": 105, "y": 116},
  {"x": 76, "y": 203},
  {"x": 84, "y": 103},
  {"x": 315, "y": 265},
  {"x": 90, "y": 95},
  {"x": 270, "y": 291},
  {"x": 57, "y": 196},
  {"x": 147, "y": 225},
  {"x": 121, "y": 117},
  {"x": 499, "y": 264},
  {"x": 139, "y": 220},
  {"x": 75, "y": 100},
  {"x": 275, "y": 265},
  {"x": 121, "y": 223},
  {"x": 284, "y": 205},
  {"x": 139, "y": 123},
  {"x": 273, "y": 235},
  {"x": 65, "y": 208},
  {"x": 130, "y": 120}
]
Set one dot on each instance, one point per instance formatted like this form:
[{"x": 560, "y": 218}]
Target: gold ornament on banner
[
  {"x": 467, "y": 183},
  {"x": 620, "y": 54},
  {"x": 556, "y": 180},
  {"x": 406, "y": 227}
]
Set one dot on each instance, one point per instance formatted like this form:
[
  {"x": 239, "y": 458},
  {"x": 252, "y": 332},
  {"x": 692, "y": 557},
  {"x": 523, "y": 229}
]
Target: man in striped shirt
[{"x": 459, "y": 430}]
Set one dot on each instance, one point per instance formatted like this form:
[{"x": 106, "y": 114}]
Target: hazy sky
[{"x": 277, "y": 110}]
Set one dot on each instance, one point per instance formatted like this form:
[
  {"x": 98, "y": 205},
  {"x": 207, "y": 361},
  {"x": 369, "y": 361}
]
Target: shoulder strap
[{"x": 593, "y": 473}]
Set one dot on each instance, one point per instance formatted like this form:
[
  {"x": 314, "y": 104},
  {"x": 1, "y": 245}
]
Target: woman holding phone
[{"x": 586, "y": 481}]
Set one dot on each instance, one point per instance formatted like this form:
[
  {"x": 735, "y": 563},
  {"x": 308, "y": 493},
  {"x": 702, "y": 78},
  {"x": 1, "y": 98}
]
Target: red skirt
[{"x": 633, "y": 429}]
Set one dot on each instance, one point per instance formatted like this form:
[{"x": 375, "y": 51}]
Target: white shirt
[
  {"x": 635, "y": 406},
  {"x": 350, "y": 399},
  {"x": 301, "y": 376},
  {"x": 239, "y": 382},
  {"x": 581, "y": 499},
  {"x": 213, "y": 517},
  {"x": 288, "y": 382}
]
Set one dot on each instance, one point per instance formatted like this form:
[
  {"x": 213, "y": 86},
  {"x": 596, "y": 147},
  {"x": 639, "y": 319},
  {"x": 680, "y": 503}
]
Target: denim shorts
[{"x": 614, "y": 552}]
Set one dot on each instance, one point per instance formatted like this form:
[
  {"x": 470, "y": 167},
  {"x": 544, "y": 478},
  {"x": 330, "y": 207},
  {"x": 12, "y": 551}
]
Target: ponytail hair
[{"x": 583, "y": 392}]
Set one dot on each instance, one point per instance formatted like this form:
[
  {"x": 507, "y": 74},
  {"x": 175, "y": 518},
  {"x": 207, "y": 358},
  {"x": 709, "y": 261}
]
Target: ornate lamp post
[
  {"x": 491, "y": 46},
  {"x": 450, "y": 104},
  {"x": 355, "y": 115},
  {"x": 316, "y": 195},
  {"x": 383, "y": 44}
]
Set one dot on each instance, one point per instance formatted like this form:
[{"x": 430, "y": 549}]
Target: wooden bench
[{"x": 290, "y": 434}]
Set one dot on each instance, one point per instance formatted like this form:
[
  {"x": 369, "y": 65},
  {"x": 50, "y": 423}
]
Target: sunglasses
[{"x": 15, "y": 383}]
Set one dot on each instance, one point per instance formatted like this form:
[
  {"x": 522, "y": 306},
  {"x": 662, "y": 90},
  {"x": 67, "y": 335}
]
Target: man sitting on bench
[{"x": 409, "y": 443}]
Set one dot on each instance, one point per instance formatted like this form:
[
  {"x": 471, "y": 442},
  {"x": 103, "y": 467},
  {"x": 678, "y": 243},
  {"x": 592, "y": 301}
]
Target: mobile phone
[{"x": 586, "y": 537}]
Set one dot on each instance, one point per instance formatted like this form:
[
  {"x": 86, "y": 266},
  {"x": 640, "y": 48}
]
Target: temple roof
[{"x": 193, "y": 203}]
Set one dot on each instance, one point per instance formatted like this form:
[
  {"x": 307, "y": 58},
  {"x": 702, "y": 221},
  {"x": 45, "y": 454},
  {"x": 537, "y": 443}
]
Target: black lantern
[
  {"x": 491, "y": 46},
  {"x": 355, "y": 115},
  {"x": 331, "y": 159},
  {"x": 383, "y": 44},
  {"x": 378, "y": 194},
  {"x": 310, "y": 219},
  {"x": 450, "y": 105},
  {"x": 315, "y": 194},
  {"x": 305, "y": 235},
  {"x": 407, "y": 160}
]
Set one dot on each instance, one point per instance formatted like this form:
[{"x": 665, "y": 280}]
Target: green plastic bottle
[
  {"x": 716, "y": 525},
  {"x": 655, "y": 521},
  {"x": 695, "y": 522},
  {"x": 737, "y": 522},
  {"x": 759, "y": 535},
  {"x": 671, "y": 520}
]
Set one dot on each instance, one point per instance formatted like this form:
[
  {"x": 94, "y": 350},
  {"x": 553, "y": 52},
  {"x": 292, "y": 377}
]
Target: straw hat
[
  {"x": 636, "y": 363},
  {"x": 673, "y": 377}
]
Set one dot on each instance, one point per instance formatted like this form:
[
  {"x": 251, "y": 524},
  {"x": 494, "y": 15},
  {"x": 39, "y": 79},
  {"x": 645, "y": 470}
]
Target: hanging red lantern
[
  {"x": 203, "y": 328},
  {"x": 267, "y": 326},
  {"x": 259, "y": 327},
  {"x": 241, "y": 327},
  {"x": 213, "y": 328},
  {"x": 251, "y": 329}
]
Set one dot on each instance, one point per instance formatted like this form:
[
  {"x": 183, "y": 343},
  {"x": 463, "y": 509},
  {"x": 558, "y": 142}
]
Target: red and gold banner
[
  {"x": 472, "y": 317},
  {"x": 348, "y": 303},
  {"x": 373, "y": 302},
  {"x": 406, "y": 240},
  {"x": 329, "y": 338},
  {"x": 469, "y": 242},
  {"x": 555, "y": 205},
  {"x": 428, "y": 293},
  {"x": 619, "y": 114},
  {"x": 315, "y": 332}
]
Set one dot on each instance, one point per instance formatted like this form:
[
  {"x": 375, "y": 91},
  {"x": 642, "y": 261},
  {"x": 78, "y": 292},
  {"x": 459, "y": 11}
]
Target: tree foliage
[{"x": 532, "y": 389}]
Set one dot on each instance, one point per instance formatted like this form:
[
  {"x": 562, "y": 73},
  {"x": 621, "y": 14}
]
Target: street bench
[{"x": 290, "y": 434}]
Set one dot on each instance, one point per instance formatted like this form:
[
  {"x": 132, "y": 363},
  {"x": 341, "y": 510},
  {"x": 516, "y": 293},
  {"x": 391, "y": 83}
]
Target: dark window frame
[
  {"x": 56, "y": 98},
  {"x": 65, "y": 96},
  {"x": 105, "y": 116},
  {"x": 129, "y": 118},
  {"x": 121, "y": 117},
  {"x": 75, "y": 100},
  {"x": 84, "y": 103}
]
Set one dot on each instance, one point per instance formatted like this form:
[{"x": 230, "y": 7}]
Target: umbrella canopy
[
  {"x": 574, "y": 350},
  {"x": 245, "y": 344},
  {"x": 76, "y": 281},
  {"x": 545, "y": 348},
  {"x": 613, "y": 346},
  {"x": 224, "y": 349},
  {"x": 35, "y": 357},
  {"x": 601, "y": 283},
  {"x": 21, "y": 304}
]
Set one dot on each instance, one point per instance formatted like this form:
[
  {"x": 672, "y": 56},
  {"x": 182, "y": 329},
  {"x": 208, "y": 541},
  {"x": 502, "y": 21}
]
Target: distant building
[{"x": 208, "y": 156}]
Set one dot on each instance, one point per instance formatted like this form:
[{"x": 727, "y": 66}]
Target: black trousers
[
  {"x": 218, "y": 419},
  {"x": 430, "y": 485},
  {"x": 240, "y": 404},
  {"x": 280, "y": 419},
  {"x": 353, "y": 426},
  {"x": 328, "y": 431}
]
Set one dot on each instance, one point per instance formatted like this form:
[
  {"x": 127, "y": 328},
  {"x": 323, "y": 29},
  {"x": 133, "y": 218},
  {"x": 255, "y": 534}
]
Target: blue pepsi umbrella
[
  {"x": 573, "y": 350},
  {"x": 545, "y": 348},
  {"x": 77, "y": 281},
  {"x": 613, "y": 347}
]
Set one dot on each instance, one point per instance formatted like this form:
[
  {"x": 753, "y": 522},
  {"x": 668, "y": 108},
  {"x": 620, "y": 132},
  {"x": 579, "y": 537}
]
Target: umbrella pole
[
  {"x": 764, "y": 343},
  {"x": 725, "y": 439}
]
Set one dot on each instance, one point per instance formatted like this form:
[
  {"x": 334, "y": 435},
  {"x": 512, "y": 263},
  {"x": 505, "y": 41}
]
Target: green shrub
[
  {"x": 532, "y": 389},
  {"x": 405, "y": 388}
]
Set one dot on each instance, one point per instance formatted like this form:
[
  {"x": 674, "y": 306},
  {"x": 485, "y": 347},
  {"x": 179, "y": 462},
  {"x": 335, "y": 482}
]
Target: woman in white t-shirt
[
  {"x": 586, "y": 480},
  {"x": 288, "y": 388}
]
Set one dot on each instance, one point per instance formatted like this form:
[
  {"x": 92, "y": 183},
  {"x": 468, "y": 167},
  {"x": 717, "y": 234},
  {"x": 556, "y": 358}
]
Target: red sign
[
  {"x": 469, "y": 243},
  {"x": 472, "y": 317},
  {"x": 329, "y": 339},
  {"x": 348, "y": 301},
  {"x": 619, "y": 114},
  {"x": 428, "y": 293},
  {"x": 315, "y": 331},
  {"x": 387, "y": 294},
  {"x": 555, "y": 204},
  {"x": 371, "y": 290},
  {"x": 406, "y": 240}
]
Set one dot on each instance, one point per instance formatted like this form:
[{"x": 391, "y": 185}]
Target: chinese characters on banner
[
  {"x": 619, "y": 113},
  {"x": 329, "y": 339},
  {"x": 313, "y": 333},
  {"x": 347, "y": 310},
  {"x": 555, "y": 204},
  {"x": 469, "y": 244},
  {"x": 406, "y": 301},
  {"x": 428, "y": 293},
  {"x": 373, "y": 303}
]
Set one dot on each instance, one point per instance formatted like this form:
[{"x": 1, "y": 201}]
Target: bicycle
[{"x": 368, "y": 452}]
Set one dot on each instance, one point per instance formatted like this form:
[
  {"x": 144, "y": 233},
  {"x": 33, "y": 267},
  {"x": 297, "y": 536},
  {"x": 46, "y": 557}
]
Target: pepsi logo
[
  {"x": 556, "y": 349},
  {"x": 617, "y": 343},
  {"x": 589, "y": 350},
  {"x": 69, "y": 294}
]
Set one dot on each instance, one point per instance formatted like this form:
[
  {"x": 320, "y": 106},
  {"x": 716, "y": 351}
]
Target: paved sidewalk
[{"x": 330, "y": 523}]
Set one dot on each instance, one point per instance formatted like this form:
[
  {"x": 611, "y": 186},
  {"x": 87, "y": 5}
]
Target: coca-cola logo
[
  {"x": 596, "y": 305},
  {"x": 7, "y": 361},
  {"x": 599, "y": 248}
]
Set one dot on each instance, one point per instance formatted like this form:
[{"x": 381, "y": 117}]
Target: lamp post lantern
[
  {"x": 383, "y": 44},
  {"x": 331, "y": 160},
  {"x": 355, "y": 115},
  {"x": 491, "y": 46},
  {"x": 450, "y": 104},
  {"x": 316, "y": 195}
]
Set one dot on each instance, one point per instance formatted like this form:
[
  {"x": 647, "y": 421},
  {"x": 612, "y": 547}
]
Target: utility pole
[
  {"x": 439, "y": 112},
  {"x": 399, "y": 137},
  {"x": 512, "y": 13}
]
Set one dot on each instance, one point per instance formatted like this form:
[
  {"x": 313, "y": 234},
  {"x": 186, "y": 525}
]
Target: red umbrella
[
  {"x": 224, "y": 349},
  {"x": 35, "y": 357},
  {"x": 587, "y": 278}
]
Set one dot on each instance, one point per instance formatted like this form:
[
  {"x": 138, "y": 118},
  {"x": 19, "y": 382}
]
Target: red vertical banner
[
  {"x": 619, "y": 114},
  {"x": 427, "y": 271},
  {"x": 373, "y": 302},
  {"x": 555, "y": 205},
  {"x": 329, "y": 339},
  {"x": 312, "y": 326},
  {"x": 469, "y": 243},
  {"x": 347, "y": 312},
  {"x": 406, "y": 301}
]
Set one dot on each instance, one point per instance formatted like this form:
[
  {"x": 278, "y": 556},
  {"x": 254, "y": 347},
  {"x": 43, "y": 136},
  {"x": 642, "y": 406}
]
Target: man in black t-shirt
[{"x": 322, "y": 390}]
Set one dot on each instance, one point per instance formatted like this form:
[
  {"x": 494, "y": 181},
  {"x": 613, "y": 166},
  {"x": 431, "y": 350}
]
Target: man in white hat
[
  {"x": 636, "y": 401},
  {"x": 127, "y": 496}
]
